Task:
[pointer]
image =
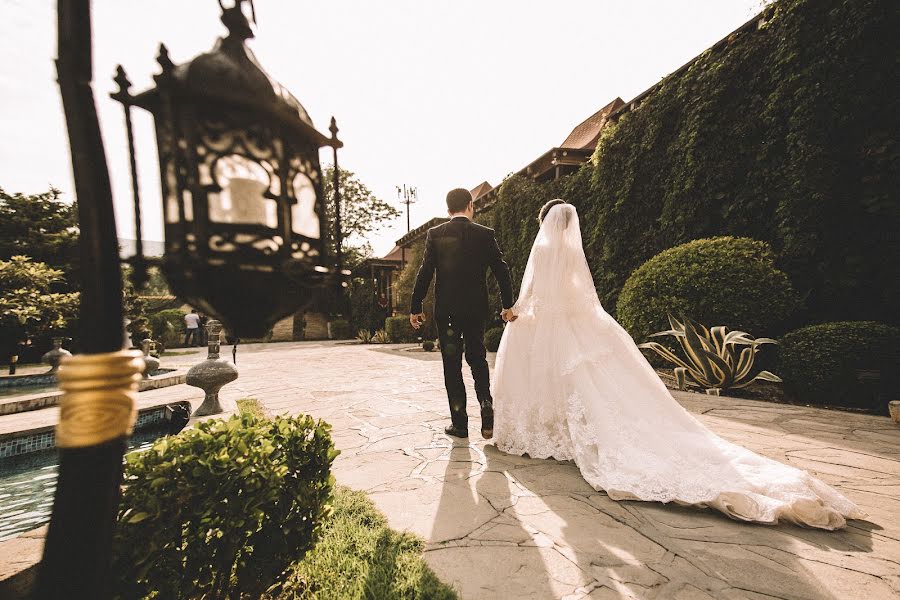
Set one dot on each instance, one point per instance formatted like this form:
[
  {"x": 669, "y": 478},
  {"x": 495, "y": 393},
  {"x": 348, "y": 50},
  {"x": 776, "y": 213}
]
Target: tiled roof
[
  {"x": 420, "y": 231},
  {"x": 586, "y": 134},
  {"x": 480, "y": 190},
  {"x": 394, "y": 254}
]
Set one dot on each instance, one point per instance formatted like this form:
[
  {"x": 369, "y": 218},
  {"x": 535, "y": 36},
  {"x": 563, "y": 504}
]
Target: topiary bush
[
  {"x": 819, "y": 363},
  {"x": 221, "y": 509},
  {"x": 722, "y": 281},
  {"x": 399, "y": 330},
  {"x": 167, "y": 326},
  {"x": 428, "y": 345},
  {"x": 492, "y": 338},
  {"x": 341, "y": 329}
]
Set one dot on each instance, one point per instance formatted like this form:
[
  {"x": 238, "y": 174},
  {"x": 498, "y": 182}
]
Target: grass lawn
[{"x": 358, "y": 555}]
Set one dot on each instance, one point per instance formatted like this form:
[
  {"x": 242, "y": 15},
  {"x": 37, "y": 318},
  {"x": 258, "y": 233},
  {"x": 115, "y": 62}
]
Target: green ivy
[
  {"x": 492, "y": 338},
  {"x": 783, "y": 136},
  {"x": 786, "y": 134}
]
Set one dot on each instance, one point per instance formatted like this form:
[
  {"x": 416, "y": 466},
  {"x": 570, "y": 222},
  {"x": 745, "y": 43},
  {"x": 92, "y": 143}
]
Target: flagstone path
[{"x": 500, "y": 526}]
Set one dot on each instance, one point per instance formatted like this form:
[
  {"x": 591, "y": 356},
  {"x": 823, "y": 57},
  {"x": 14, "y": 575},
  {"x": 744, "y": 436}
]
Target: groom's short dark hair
[{"x": 458, "y": 200}]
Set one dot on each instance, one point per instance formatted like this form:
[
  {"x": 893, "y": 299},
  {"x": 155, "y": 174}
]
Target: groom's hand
[
  {"x": 508, "y": 315},
  {"x": 416, "y": 320}
]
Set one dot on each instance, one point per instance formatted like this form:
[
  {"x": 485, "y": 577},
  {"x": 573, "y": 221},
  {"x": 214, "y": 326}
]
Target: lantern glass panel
[
  {"x": 242, "y": 198},
  {"x": 170, "y": 208},
  {"x": 188, "y": 206},
  {"x": 304, "y": 219}
]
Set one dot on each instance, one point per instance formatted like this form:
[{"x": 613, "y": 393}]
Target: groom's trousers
[{"x": 460, "y": 336}]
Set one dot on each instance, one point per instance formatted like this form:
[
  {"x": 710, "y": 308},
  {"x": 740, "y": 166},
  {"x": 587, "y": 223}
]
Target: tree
[
  {"x": 42, "y": 227},
  {"x": 362, "y": 214},
  {"x": 29, "y": 310}
]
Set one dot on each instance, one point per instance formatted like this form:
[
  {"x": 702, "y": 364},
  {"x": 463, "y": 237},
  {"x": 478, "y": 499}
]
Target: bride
[{"x": 570, "y": 384}]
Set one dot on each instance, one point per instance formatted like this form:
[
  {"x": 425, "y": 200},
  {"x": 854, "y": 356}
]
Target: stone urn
[
  {"x": 55, "y": 356},
  {"x": 894, "y": 409},
  {"x": 212, "y": 373},
  {"x": 151, "y": 363}
]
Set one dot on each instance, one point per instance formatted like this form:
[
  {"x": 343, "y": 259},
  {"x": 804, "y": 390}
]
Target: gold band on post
[{"x": 98, "y": 404}]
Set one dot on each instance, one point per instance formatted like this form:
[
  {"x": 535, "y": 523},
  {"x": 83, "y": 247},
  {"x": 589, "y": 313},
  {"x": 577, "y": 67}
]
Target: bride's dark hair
[{"x": 546, "y": 208}]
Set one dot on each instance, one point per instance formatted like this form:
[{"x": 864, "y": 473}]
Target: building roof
[
  {"x": 480, "y": 190},
  {"x": 587, "y": 133},
  {"x": 396, "y": 254},
  {"x": 419, "y": 231}
]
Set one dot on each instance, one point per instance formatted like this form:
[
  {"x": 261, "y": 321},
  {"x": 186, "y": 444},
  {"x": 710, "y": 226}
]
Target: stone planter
[
  {"x": 894, "y": 409},
  {"x": 55, "y": 356},
  {"x": 211, "y": 374}
]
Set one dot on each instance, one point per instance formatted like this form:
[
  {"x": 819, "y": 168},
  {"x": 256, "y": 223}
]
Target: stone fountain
[
  {"x": 212, "y": 373},
  {"x": 151, "y": 363},
  {"x": 55, "y": 356}
]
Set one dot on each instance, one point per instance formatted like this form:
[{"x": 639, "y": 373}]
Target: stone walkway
[{"x": 501, "y": 526}]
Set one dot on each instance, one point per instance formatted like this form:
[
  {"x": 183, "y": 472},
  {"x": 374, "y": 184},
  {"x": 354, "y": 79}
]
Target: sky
[{"x": 434, "y": 94}]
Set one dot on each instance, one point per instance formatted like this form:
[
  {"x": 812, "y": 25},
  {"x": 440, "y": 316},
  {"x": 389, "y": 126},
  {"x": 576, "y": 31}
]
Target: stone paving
[{"x": 500, "y": 526}]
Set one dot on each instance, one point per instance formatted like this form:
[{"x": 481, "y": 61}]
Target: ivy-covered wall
[{"x": 787, "y": 134}]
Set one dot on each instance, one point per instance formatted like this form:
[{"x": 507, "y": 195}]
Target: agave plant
[
  {"x": 381, "y": 337},
  {"x": 716, "y": 359},
  {"x": 364, "y": 336}
]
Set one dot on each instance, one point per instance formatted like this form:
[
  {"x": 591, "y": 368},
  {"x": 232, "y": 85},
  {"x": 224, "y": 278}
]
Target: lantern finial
[
  {"x": 235, "y": 21},
  {"x": 163, "y": 59}
]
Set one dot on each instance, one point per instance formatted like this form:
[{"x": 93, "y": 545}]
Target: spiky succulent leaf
[{"x": 680, "y": 377}]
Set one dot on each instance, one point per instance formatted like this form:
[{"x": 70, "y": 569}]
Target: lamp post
[
  {"x": 244, "y": 228},
  {"x": 407, "y": 196}
]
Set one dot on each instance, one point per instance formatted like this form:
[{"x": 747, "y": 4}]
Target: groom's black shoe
[
  {"x": 487, "y": 419},
  {"x": 460, "y": 432}
]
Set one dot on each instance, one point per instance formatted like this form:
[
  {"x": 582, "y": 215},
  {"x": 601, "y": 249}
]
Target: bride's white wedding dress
[{"x": 569, "y": 383}]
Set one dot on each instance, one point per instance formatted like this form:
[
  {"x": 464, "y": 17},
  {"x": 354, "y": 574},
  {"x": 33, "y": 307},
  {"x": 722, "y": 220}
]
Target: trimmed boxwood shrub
[
  {"x": 341, "y": 330},
  {"x": 221, "y": 509},
  {"x": 428, "y": 345},
  {"x": 167, "y": 326},
  {"x": 399, "y": 330},
  {"x": 819, "y": 363},
  {"x": 717, "y": 281},
  {"x": 492, "y": 338}
]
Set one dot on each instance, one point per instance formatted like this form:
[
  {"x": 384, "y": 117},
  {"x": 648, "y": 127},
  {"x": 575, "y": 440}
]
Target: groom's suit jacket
[{"x": 458, "y": 254}]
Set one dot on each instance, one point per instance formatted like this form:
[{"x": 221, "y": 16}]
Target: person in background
[
  {"x": 192, "y": 329},
  {"x": 202, "y": 329}
]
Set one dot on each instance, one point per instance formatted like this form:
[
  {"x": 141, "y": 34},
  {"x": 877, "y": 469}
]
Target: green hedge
[
  {"x": 399, "y": 330},
  {"x": 492, "y": 338},
  {"x": 784, "y": 134},
  {"x": 341, "y": 330},
  {"x": 819, "y": 363},
  {"x": 222, "y": 509},
  {"x": 718, "y": 281},
  {"x": 365, "y": 313}
]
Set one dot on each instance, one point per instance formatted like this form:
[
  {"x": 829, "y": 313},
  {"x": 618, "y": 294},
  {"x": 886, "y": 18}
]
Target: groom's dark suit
[{"x": 459, "y": 253}]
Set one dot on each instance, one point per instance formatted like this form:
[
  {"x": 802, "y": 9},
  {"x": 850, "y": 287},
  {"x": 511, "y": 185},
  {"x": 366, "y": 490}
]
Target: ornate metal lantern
[{"x": 245, "y": 226}]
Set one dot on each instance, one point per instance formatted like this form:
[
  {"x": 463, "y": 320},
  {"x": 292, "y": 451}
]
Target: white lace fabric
[{"x": 570, "y": 384}]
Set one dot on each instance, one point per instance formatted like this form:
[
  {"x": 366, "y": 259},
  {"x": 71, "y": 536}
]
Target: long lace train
[{"x": 569, "y": 383}]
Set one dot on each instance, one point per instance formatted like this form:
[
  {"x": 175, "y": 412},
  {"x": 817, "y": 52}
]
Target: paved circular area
[{"x": 501, "y": 526}]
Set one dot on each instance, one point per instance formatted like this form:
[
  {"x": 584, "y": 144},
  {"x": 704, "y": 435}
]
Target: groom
[{"x": 459, "y": 252}]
